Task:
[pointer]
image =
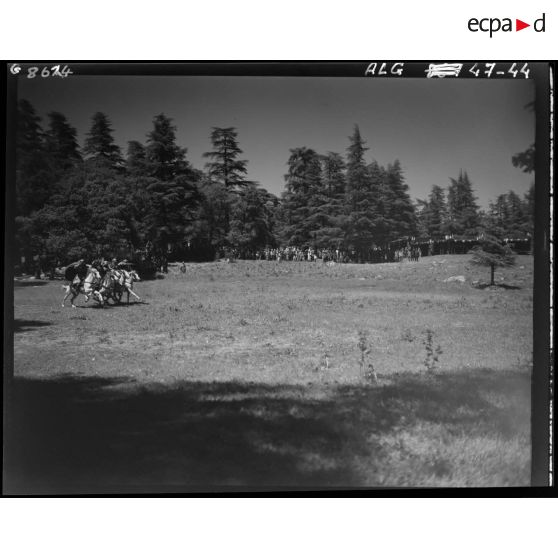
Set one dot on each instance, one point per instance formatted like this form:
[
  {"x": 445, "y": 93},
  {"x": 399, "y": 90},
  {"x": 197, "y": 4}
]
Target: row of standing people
[
  {"x": 294, "y": 253},
  {"x": 288, "y": 253},
  {"x": 410, "y": 253}
]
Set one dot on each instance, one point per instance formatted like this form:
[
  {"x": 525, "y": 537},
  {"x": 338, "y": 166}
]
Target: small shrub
[
  {"x": 408, "y": 336},
  {"x": 324, "y": 361},
  {"x": 366, "y": 367},
  {"x": 432, "y": 354},
  {"x": 492, "y": 253}
]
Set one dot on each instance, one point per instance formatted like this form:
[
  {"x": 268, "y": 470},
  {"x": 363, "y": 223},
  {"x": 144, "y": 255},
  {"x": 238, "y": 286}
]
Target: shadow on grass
[
  {"x": 29, "y": 283},
  {"x": 497, "y": 286},
  {"x": 89, "y": 435},
  {"x": 133, "y": 303},
  {"x": 27, "y": 325},
  {"x": 105, "y": 306}
]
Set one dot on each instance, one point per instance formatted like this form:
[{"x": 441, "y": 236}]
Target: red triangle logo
[{"x": 519, "y": 25}]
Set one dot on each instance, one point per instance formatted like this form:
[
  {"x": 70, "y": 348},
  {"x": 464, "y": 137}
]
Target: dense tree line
[
  {"x": 97, "y": 201},
  {"x": 455, "y": 212},
  {"x": 331, "y": 202}
]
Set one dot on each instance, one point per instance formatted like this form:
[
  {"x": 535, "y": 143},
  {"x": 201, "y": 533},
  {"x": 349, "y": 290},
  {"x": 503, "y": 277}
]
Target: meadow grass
[{"x": 263, "y": 358}]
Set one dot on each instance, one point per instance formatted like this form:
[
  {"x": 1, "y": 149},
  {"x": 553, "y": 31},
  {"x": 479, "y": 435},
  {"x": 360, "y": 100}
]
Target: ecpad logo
[{"x": 494, "y": 24}]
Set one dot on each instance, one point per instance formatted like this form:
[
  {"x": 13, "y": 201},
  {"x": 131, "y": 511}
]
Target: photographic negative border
[{"x": 541, "y": 73}]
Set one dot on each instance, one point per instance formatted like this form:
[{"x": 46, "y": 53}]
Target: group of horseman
[{"x": 101, "y": 280}]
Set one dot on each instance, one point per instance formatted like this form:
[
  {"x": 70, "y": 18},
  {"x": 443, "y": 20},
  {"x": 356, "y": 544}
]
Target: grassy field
[{"x": 249, "y": 374}]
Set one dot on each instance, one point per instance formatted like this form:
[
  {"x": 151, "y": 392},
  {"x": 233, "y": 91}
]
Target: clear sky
[{"x": 434, "y": 127}]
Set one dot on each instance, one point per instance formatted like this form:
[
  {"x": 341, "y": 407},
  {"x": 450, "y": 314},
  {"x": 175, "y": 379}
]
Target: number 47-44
[{"x": 489, "y": 70}]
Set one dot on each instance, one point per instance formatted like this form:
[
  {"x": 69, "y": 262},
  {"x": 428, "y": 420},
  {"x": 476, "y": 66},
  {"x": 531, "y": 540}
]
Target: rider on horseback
[
  {"x": 123, "y": 272},
  {"x": 76, "y": 272},
  {"x": 103, "y": 267}
]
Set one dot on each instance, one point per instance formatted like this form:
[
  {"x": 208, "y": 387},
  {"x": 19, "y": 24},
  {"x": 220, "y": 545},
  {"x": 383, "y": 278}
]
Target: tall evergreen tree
[
  {"x": 364, "y": 224},
  {"x": 401, "y": 212},
  {"x": 381, "y": 196},
  {"x": 328, "y": 211},
  {"x": 271, "y": 211},
  {"x": 497, "y": 217},
  {"x": 61, "y": 143},
  {"x": 529, "y": 212},
  {"x": 166, "y": 160},
  {"x": 517, "y": 220},
  {"x": 99, "y": 143},
  {"x": 173, "y": 194},
  {"x": 136, "y": 158},
  {"x": 463, "y": 216},
  {"x": 421, "y": 211},
  {"x": 33, "y": 173},
  {"x": 212, "y": 222},
  {"x": 303, "y": 181},
  {"x": 334, "y": 180},
  {"x": 249, "y": 229},
  {"x": 526, "y": 162},
  {"x": 227, "y": 177},
  {"x": 434, "y": 213},
  {"x": 507, "y": 217},
  {"x": 224, "y": 166},
  {"x": 526, "y": 159},
  {"x": 61, "y": 229}
]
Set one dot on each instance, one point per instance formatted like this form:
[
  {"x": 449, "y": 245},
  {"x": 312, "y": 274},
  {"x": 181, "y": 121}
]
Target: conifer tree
[
  {"x": 99, "y": 143},
  {"x": 165, "y": 159},
  {"x": 227, "y": 177},
  {"x": 401, "y": 212},
  {"x": 525, "y": 160},
  {"x": 434, "y": 213},
  {"x": 517, "y": 220},
  {"x": 213, "y": 216},
  {"x": 61, "y": 143},
  {"x": 497, "y": 217},
  {"x": 507, "y": 217},
  {"x": 463, "y": 216},
  {"x": 327, "y": 213},
  {"x": 34, "y": 178},
  {"x": 303, "y": 182},
  {"x": 136, "y": 158},
  {"x": 249, "y": 227},
  {"x": 421, "y": 211},
  {"x": 362, "y": 224},
  {"x": 172, "y": 192},
  {"x": 492, "y": 253},
  {"x": 529, "y": 212},
  {"x": 224, "y": 166}
]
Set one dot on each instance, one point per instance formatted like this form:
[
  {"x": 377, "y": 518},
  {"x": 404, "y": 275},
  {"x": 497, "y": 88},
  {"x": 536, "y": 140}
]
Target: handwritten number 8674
[{"x": 54, "y": 71}]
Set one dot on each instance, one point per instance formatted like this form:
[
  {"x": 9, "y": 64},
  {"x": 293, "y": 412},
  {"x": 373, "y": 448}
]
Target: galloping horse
[
  {"x": 110, "y": 287},
  {"x": 129, "y": 278},
  {"x": 89, "y": 288}
]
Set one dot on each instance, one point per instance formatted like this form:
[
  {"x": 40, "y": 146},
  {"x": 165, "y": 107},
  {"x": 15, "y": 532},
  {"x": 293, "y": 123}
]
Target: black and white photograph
[{"x": 221, "y": 281}]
